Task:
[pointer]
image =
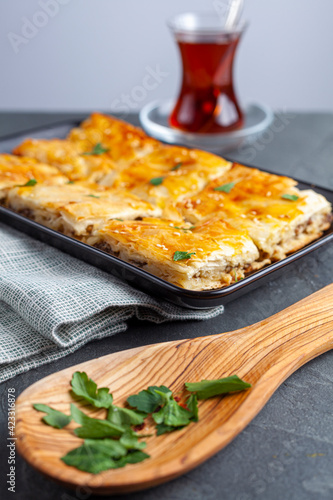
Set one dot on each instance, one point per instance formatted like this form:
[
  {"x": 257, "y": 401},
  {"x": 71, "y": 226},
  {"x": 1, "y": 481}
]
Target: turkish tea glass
[{"x": 207, "y": 102}]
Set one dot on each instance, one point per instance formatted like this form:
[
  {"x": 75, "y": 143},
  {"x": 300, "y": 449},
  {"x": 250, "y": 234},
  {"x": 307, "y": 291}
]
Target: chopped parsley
[
  {"x": 98, "y": 149},
  {"x": 54, "y": 418},
  {"x": 156, "y": 181},
  {"x": 97, "y": 455},
  {"x": 184, "y": 228},
  {"x": 92, "y": 196},
  {"x": 171, "y": 416},
  {"x": 291, "y": 197},
  {"x": 85, "y": 388},
  {"x": 226, "y": 188},
  {"x": 94, "y": 428},
  {"x": 30, "y": 183},
  {"x": 113, "y": 442},
  {"x": 70, "y": 182},
  {"x": 167, "y": 414},
  {"x": 209, "y": 388},
  {"x": 125, "y": 416},
  {"x": 176, "y": 167},
  {"x": 182, "y": 255},
  {"x": 149, "y": 400}
]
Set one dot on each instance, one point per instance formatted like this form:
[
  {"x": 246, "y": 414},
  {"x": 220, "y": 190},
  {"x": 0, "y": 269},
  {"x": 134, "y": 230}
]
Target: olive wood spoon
[{"x": 264, "y": 354}]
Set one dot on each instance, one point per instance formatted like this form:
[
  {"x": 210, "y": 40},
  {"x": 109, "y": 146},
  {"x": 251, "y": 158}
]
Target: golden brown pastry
[
  {"x": 209, "y": 255},
  {"x": 77, "y": 209},
  {"x": 15, "y": 171},
  {"x": 277, "y": 216},
  {"x": 187, "y": 216}
]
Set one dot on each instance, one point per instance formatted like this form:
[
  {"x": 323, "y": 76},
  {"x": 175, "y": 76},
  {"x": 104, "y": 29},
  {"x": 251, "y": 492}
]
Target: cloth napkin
[{"x": 51, "y": 304}]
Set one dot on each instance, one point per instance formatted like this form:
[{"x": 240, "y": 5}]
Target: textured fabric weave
[{"x": 51, "y": 304}]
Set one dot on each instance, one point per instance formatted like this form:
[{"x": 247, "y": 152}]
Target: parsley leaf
[
  {"x": 125, "y": 416},
  {"x": 192, "y": 405},
  {"x": 172, "y": 413},
  {"x": 291, "y": 197},
  {"x": 86, "y": 388},
  {"x": 112, "y": 447},
  {"x": 54, "y": 418},
  {"x": 78, "y": 416},
  {"x": 182, "y": 255},
  {"x": 163, "y": 429},
  {"x": 134, "y": 458},
  {"x": 149, "y": 400},
  {"x": 93, "y": 456},
  {"x": 92, "y": 196},
  {"x": 173, "y": 416},
  {"x": 156, "y": 181},
  {"x": 209, "y": 388},
  {"x": 184, "y": 228},
  {"x": 226, "y": 188},
  {"x": 98, "y": 429},
  {"x": 70, "y": 182},
  {"x": 131, "y": 442},
  {"x": 29, "y": 183},
  {"x": 94, "y": 427},
  {"x": 97, "y": 455},
  {"x": 98, "y": 149},
  {"x": 177, "y": 166}
]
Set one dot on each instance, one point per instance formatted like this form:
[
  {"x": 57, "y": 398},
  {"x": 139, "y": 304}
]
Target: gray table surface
[{"x": 287, "y": 450}]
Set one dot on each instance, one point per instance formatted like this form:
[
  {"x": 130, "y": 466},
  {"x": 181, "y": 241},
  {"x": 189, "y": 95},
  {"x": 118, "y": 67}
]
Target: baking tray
[{"x": 133, "y": 275}]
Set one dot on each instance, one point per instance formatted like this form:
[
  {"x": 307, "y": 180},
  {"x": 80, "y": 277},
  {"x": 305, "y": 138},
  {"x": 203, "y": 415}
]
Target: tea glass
[{"x": 207, "y": 102}]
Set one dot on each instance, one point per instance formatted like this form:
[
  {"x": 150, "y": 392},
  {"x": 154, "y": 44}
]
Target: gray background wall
[{"x": 96, "y": 54}]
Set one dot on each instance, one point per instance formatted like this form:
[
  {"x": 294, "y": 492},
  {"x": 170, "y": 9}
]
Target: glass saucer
[{"x": 154, "y": 119}]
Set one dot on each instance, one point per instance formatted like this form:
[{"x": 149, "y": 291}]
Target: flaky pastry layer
[
  {"x": 77, "y": 209},
  {"x": 210, "y": 255}
]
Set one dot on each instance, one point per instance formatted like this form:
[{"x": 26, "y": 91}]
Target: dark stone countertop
[{"x": 287, "y": 450}]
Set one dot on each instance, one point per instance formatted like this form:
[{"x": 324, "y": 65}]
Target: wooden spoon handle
[
  {"x": 303, "y": 329},
  {"x": 279, "y": 344}
]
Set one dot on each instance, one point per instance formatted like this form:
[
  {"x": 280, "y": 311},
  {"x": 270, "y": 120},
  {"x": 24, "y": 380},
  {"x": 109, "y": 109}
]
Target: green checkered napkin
[{"x": 52, "y": 304}]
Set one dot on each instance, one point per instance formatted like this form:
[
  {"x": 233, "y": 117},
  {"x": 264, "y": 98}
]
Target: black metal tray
[{"x": 133, "y": 275}]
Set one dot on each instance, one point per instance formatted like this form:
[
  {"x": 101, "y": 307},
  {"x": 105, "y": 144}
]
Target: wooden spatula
[{"x": 264, "y": 354}]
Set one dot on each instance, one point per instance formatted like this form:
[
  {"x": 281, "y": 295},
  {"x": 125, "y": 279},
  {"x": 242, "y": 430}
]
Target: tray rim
[{"x": 193, "y": 299}]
